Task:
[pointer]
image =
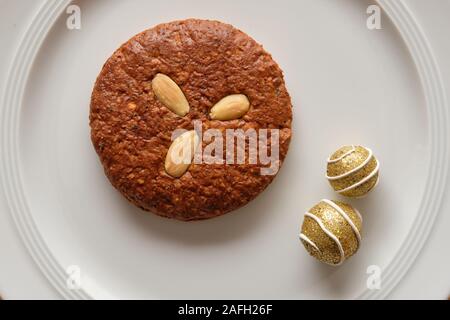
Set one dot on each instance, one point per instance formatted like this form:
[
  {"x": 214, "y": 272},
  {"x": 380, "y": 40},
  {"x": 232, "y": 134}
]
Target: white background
[{"x": 429, "y": 276}]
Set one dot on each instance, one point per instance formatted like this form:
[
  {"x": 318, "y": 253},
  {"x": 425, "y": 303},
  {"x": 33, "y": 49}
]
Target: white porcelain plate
[{"x": 349, "y": 85}]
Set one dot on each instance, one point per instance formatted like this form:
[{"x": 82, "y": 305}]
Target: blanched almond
[
  {"x": 180, "y": 154},
  {"x": 170, "y": 94},
  {"x": 230, "y": 108}
]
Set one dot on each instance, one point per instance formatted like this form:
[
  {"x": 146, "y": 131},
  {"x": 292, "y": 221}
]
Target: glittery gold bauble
[
  {"x": 353, "y": 171},
  {"x": 331, "y": 231}
]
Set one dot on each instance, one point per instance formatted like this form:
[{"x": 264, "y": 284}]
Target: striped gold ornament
[
  {"x": 353, "y": 171},
  {"x": 331, "y": 231}
]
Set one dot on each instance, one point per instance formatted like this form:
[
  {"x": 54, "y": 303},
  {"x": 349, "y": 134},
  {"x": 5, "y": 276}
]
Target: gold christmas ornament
[
  {"x": 331, "y": 231},
  {"x": 353, "y": 171}
]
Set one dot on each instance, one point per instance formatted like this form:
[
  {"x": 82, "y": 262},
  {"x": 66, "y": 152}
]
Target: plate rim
[{"x": 435, "y": 100}]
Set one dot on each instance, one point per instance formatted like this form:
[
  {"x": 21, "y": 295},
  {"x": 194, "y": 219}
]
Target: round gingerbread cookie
[{"x": 193, "y": 75}]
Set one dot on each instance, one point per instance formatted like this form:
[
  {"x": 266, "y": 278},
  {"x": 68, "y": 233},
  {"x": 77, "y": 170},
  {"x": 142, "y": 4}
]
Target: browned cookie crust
[{"x": 131, "y": 130}]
